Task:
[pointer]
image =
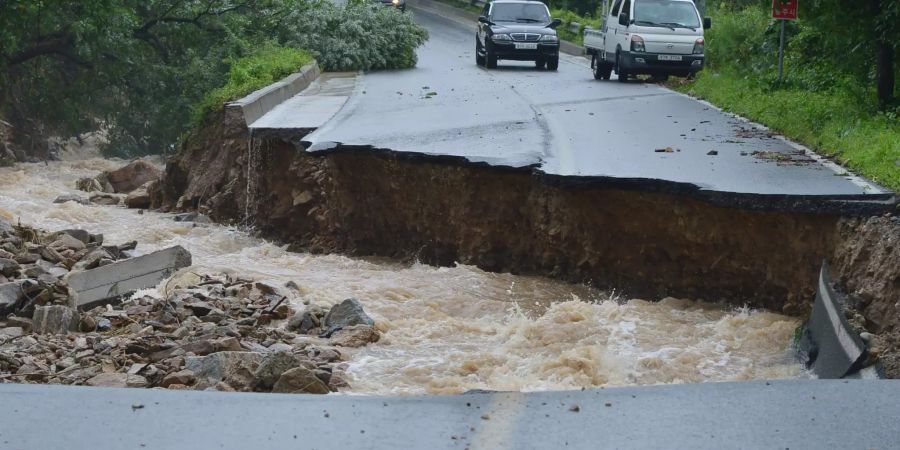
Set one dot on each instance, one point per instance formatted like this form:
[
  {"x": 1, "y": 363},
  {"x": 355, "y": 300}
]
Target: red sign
[{"x": 784, "y": 9}]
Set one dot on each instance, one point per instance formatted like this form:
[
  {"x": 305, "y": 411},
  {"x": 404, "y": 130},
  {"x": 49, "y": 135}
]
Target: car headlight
[
  {"x": 637, "y": 43},
  {"x": 698, "y": 46},
  {"x": 549, "y": 38},
  {"x": 501, "y": 37}
]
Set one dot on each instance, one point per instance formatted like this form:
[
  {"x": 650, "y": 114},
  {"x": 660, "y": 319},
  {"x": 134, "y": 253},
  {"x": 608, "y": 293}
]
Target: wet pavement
[
  {"x": 566, "y": 123},
  {"x": 761, "y": 414}
]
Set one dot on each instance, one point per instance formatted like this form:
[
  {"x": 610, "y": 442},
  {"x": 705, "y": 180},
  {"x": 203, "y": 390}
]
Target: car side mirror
[
  {"x": 707, "y": 23},
  {"x": 484, "y": 19},
  {"x": 623, "y": 19},
  {"x": 554, "y": 23}
]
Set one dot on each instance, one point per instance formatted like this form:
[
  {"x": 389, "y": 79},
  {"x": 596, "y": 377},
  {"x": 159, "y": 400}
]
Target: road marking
[{"x": 498, "y": 424}]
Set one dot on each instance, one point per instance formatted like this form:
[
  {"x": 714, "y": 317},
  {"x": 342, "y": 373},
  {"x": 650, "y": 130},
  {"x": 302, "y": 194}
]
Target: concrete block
[
  {"x": 831, "y": 347},
  {"x": 114, "y": 280},
  {"x": 258, "y": 103}
]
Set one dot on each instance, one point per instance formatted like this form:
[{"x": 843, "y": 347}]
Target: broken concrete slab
[
  {"x": 830, "y": 347},
  {"x": 54, "y": 319},
  {"x": 114, "y": 280}
]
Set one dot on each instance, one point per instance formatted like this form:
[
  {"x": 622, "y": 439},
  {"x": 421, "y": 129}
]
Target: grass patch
[
  {"x": 268, "y": 65},
  {"x": 833, "y": 122}
]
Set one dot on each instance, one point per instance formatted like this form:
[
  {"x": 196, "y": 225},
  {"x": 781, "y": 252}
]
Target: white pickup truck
[{"x": 649, "y": 37}]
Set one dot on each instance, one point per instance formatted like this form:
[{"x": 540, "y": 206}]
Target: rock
[
  {"x": 21, "y": 322},
  {"x": 9, "y": 332},
  {"x": 5, "y": 227},
  {"x": 93, "y": 259},
  {"x": 123, "y": 277},
  {"x": 344, "y": 314},
  {"x": 100, "y": 183},
  {"x": 140, "y": 197},
  {"x": 192, "y": 217},
  {"x": 305, "y": 320},
  {"x": 300, "y": 380},
  {"x": 133, "y": 176},
  {"x": 108, "y": 199},
  {"x": 338, "y": 380},
  {"x": 234, "y": 368},
  {"x": 355, "y": 336},
  {"x": 87, "y": 324},
  {"x": 65, "y": 241},
  {"x": 280, "y": 347},
  {"x": 54, "y": 319},
  {"x": 119, "y": 380},
  {"x": 10, "y": 294},
  {"x": 81, "y": 235},
  {"x": 9, "y": 267},
  {"x": 71, "y": 198},
  {"x": 200, "y": 309},
  {"x": 183, "y": 377},
  {"x": 274, "y": 365}
]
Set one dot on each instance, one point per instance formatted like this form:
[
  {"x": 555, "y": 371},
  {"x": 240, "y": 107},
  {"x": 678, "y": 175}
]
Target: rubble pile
[
  {"x": 197, "y": 331},
  {"x": 34, "y": 263}
]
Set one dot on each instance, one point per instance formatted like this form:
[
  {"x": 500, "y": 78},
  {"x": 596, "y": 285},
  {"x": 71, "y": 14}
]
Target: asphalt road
[
  {"x": 569, "y": 124},
  {"x": 796, "y": 414}
]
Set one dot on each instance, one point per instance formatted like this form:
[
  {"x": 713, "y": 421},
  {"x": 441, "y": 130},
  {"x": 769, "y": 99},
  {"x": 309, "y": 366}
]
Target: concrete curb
[
  {"x": 436, "y": 6},
  {"x": 258, "y": 103},
  {"x": 829, "y": 344}
]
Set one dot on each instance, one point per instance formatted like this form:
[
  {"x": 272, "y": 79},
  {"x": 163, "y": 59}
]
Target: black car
[{"x": 517, "y": 30}]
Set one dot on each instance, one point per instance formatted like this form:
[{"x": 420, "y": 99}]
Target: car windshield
[
  {"x": 520, "y": 12},
  {"x": 670, "y": 13}
]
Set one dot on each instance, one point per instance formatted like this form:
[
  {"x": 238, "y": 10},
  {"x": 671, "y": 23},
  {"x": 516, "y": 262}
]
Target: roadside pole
[
  {"x": 781, "y": 54},
  {"x": 783, "y": 10}
]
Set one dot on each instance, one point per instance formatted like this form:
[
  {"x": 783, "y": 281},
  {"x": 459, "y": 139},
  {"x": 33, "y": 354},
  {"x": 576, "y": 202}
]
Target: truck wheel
[
  {"x": 602, "y": 69},
  {"x": 490, "y": 57},
  {"x": 623, "y": 74},
  {"x": 479, "y": 58},
  {"x": 553, "y": 63}
]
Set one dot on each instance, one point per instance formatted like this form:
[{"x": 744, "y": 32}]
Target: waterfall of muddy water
[{"x": 449, "y": 330}]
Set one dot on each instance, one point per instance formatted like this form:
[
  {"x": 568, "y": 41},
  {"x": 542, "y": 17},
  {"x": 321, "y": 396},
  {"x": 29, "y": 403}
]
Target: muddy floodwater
[{"x": 450, "y": 330}]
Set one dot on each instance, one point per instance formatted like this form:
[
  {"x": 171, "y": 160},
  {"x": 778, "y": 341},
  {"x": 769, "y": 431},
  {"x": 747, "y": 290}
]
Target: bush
[
  {"x": 569, "y": 17},
  {"x": 247, "y": 74},
  {"x": 358, "y": 36}
]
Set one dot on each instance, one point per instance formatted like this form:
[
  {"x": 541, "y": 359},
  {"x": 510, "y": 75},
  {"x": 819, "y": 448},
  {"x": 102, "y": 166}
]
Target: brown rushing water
[{"x": 449, "y": 330}]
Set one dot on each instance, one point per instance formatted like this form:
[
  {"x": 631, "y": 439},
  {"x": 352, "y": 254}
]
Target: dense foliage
[
  {"x": 356, "y": 37},
  {"x": 140, "y": 69},
  {"x": 245, "y": 75}
]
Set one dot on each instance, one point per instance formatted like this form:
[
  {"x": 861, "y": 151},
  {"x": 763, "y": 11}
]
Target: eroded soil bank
[{"x": 440, "y": 210}]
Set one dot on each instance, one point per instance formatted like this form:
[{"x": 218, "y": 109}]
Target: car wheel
[
  {"x": 553, "y": 63},
  {"x": 606, "y": 70},
  {"x": 540, "y": 63},
  {"x": 623, "y": 74},
  {"x": 479, "y": 58},
  {"x": 490, "y": 57}
]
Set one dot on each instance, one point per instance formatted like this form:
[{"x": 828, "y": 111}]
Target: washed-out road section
[{"x": 636, "y": 134}]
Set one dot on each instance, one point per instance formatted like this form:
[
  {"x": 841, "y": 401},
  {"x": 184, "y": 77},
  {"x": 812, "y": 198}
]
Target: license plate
[
  {"x": 525, "y": 46},
  {"x": 670, "y": 57}
]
